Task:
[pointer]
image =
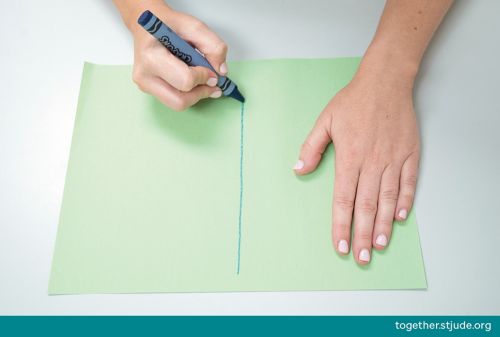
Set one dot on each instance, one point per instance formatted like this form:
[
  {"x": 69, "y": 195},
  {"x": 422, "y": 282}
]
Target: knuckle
[
  {"x": 342, "y": 227},
  {"x": 137, "y": 75},
  {"x": 139, "y": 82},
  {"x": 384, "y": 222},
  {"x": 179, "y": 104},
  {"x": 220, "y": 48},
  {"x": 198, "y": 26},
  {"x": 406, "y": 199},
  {"x": 410, "y": 181},
  {"x": 306, "y": 146},
  {"x": 348, "y": 158},
  {"x": 188, "y": 82},
  {"x": 368, "y": 206},
  {"x": 375, "y": 157},
  {"x": 363, "y": 235},
  {"x": 148, "y": 59},
  {"x": 374, "y": 164},
  {"x": 344, "y": 203},
  {"x": 390, "y": 194},
  {"x": 346, "y": 164}
]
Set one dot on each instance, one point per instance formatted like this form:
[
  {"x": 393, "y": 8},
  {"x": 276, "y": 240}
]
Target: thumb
[
  {"x": 201, "y": 76},
  {"x": 313, "y": 148}
]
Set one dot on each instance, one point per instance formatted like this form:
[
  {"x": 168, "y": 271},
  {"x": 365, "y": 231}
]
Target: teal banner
[{"x": 250, "y": 326}]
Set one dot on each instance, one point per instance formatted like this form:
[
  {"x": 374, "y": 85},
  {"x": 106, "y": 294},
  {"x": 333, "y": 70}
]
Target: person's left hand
[{"x": 374, "y": 130}]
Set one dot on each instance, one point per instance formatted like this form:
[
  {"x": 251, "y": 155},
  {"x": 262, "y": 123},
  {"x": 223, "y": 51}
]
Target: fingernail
[
  {"x": 343, "y": 247},
  {"x": 216, "y": 94},
  {"x": 223, "y": 68},
  {"x": 212, "y": 82},
  {"x": 299, "y": 165},
  {"x": 403, "y": 213},
  {"x": 364, "y": 255},
  {"x": 381, "y": 240}
]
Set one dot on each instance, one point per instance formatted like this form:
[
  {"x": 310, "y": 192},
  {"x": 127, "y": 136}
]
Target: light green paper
[{"x": 151, "y": 199}]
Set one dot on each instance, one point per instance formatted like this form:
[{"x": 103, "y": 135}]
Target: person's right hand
[{"x": 158, "y": 72}]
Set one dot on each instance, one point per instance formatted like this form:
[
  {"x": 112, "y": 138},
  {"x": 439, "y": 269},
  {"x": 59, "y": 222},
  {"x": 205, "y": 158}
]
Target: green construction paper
[{"x": 152, "y": 196}]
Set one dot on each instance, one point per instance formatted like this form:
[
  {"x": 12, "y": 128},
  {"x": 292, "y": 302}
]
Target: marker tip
[{"x": 236, "y": 94}]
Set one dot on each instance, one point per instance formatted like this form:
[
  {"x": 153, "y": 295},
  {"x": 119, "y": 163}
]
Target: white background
[{"x": 42, "y": 48}]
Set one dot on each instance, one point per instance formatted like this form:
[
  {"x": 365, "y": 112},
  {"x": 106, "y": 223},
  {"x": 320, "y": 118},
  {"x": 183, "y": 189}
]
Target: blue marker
[{"x": 184, "y": 51}]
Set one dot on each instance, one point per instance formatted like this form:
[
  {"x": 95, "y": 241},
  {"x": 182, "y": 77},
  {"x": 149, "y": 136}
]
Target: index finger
[{"x": 344, "y": 194}]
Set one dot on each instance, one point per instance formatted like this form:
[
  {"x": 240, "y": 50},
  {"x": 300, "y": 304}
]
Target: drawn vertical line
[{"x": 242, "y": 120}]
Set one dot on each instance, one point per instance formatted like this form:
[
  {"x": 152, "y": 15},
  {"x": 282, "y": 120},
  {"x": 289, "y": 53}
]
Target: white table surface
[{"x": 42, "y": 49}]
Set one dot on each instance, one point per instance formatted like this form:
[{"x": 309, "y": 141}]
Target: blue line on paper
[{"x": 242, "y": 120}]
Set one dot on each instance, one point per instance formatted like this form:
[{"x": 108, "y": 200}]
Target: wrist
[{"x": 388, "y": 65}]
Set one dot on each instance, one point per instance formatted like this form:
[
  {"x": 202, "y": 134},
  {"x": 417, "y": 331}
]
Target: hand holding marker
[{"x": 184, "y": 51}]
